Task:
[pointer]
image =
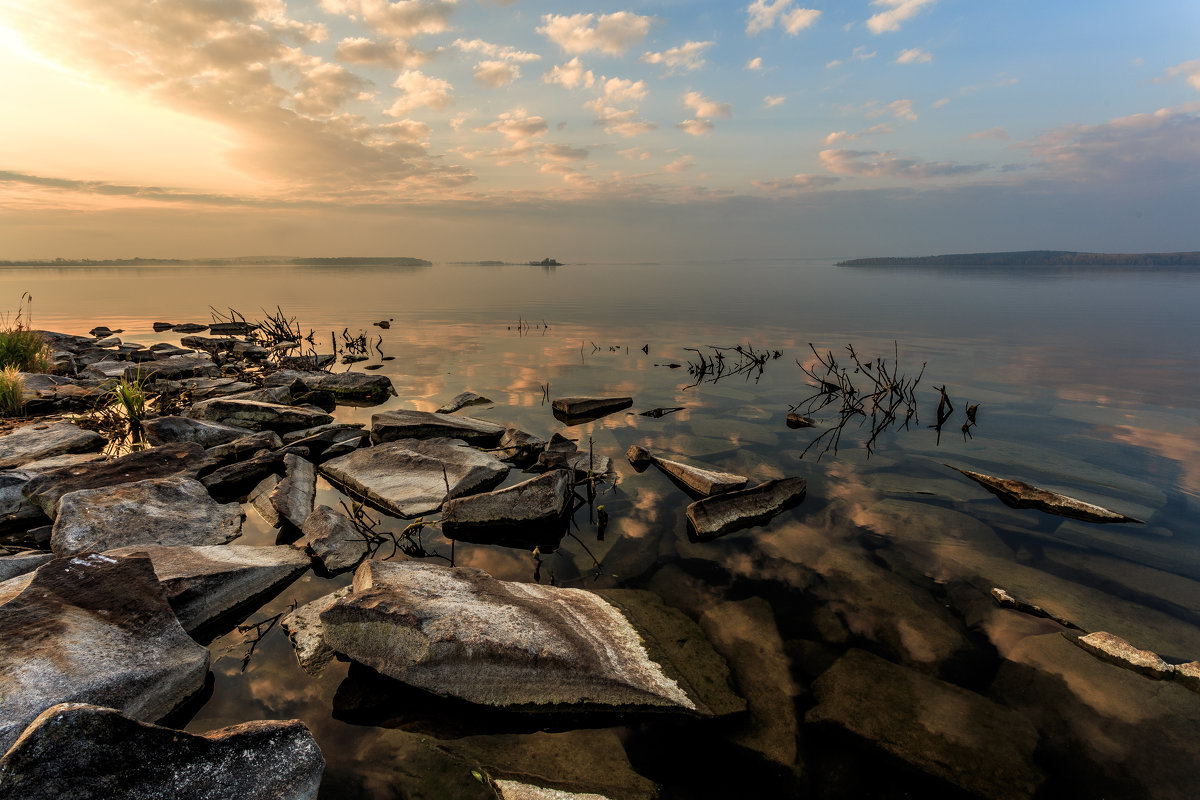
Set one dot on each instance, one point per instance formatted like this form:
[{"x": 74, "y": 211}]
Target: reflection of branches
[
  {"x": 886, "y": 397},
  {"x": 407, "y": 541},
  {"x": 714, "y": 363},
  {"x": 254, "y": 632}
]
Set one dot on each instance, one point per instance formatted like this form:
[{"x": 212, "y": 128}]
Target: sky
[{"x": 633, "y": 131}]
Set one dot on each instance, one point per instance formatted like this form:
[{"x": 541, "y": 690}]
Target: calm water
[{"x": 1086, "y": 383}]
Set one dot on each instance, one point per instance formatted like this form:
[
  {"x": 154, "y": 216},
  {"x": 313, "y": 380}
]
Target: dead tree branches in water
[
  {"x": 883, "y": 397},
  {"x": 715, "y": 363}
]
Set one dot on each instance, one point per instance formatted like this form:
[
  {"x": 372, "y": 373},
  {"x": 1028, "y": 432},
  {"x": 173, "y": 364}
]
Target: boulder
[
  {"x": 190, "y": 327},
  {"x": 1017, "y": 494},
  {"x": 36, "y": 442},
  {"x": 22, "y": 563},
  {"x": 258, "y": 416},
  {"x": 202, "y": 584},
  {"x": 234, "y": 480},
  {"x": 234, "y": 328},
  {"x": 223, "y": 455},
  {"x": 392, "y": 426},
  {"x": 352, "y": 387},
  {"x": 303, "y": 627},
  {"x": 209, "y": 344},
  {"x": 574, "y": 410},
  {"x": 527, "y": 508},
  {"x": 332, "y": 539},
  {"x": 18, "y": 512},
  {"x": 293, "y": 496},
  {"x": 463, "y": 400},
  {"x": 460, "y": 632},
  {"x": 411, "y": 477},
  {"x": 720, "y": 514},
  {"x": 175, "y": 510},
  {"x": 164, "y": 430},
  {"x": 518, "y": 447},
  {"x": 957, "y": 736},
  {"x": 93, "y": 629},
  {"x": 182, "y": 458}
]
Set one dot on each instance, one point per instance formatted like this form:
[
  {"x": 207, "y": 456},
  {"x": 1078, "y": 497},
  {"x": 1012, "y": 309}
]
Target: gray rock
[
  {"x": 329, "y": 441},
  {"x": 279, "y": 395},
  {"x": 519, "y": 447},
  {"x": 304, "y": 628},
  {"x": 166, "y": 350},
  {"x": 163, "y": 430},
  {"x": 945, "y": 731},
  {"x": 224, "y": 454},
  {"x": 87, "y": 752},
  {"x": 260, "y": 498},
  {"x": 203, "y": 388},
  {"x": 352, "y": 387},
  {"x": 175, "y": 510},
  {"x": 190, "y": 327},
  {"x": 463, "y": 400},
  {"x": 392, "y": 426},
  {"x": 234, "y": 328},
  {"x": 93, "y": 629},
  {"x": 258, "y": 416},
  {"x": 203, "y": 584},
  {"x": 209, "y": 344},
  {"x": 332, "y": 539},
  {"x": 307, "y": 363},
  {"x": 1022, "y": 495},
  {"x": 720, "y": 514},
  {"x": 639, "y": 457},
  {"x": 331, "y": 430},
  {"x": 704, "y": 482},
  {"x": 174, "y": 368},
  {"x": 234, "y": 480},
  {"x": 581, "y": 409},
  {"x": 183, "y": 458},
  {"x": 459, "y": 632},
  {"x": 22, "y": 563},
  {"x": 536, "y": 503},
  {"x": 36, "y": 442},
  {"x": 18, "y": 512},
  {"x": 109, "y": 368},
  {"x": 1116, "y": 650},
  {"x": 293, "y": 496},
  {"x": 409, "y": 477}
]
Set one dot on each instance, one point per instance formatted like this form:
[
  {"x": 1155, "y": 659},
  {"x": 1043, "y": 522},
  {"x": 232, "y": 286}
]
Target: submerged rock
[
  {"x": 460, "y": 632},
  {"x": 176, "y": 510},
  {"x": 574, "y": 410},
  {"x": 1116, "y": 650},
  {"x": 163, "y": 430},
  {"x": 39, "y": 441},
  {"x": 93, "y": 629},
  {"x": 722, "y": 513},
  {"x": 1017, "y": 494},
  {"x": 411, "y": 477},
  {"x": 392, "y": 426},
  {"x": 463, "y": 400},
  {"x": 1006, "y": 600},
  {"x": 525, "y": 508},
  {"x": 88, "y": 752},
  {"x": 332, "y": 539}
]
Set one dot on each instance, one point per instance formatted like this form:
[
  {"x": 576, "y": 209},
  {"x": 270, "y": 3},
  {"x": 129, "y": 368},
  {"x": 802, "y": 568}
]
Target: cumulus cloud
[
  {"x": 860, "y": 54},
  {"x": 370, "y": 52},
  {"x": 622, "y": 122},
  {"x": 754, "y": 64},
  {"x": 766, "y": 14},
  {"x": 501, "y": 52},
  {"x": 562, "y": 152},
  {"x": 703, "y": 108},
  {"x": 688, "y": 57},
  {"x": 612, "y": 34},
  {"x": 401, "y": 19},
  {"x": 872, "y": 164},
  {"x": 418, "y": 90},
  {"x": 696, "y": 127},
  {"x": 770, "y": 101},
  {"x": 407, "y": 130},
  {"x": 326, "y": 87},
  {"x": 894, "y": 13},
  {"x": 845, "y": 136},
  {"x": 520, "y": 131},
  {"x": 834, "y": 63},
  {"x": 622, "y": 90},
  {"x": 796, "y": 183},
  {"x": 914, "y": 55},
  {"x": 495, "y": 74},
  {"x": 1189, "y": 70},
  {"x": 571, "y": 75}
]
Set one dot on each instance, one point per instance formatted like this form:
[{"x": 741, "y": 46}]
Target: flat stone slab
[
  {"x": 462, "y": 400},
  {"x": 723, "y": 513},
  {"x": 18, "y": 512},
  {"x": 175, "y": 510},
  {"x": 304, "y": 628},
  {"x": 258, "y": 416},
  {"x": 353, "y": 386},
  {"x": 332, "y": 539},
  {"x": 293, "y": 496},
  {"x": 409, "y": 477},
  {"x": 1115, "y": 650},
  {"x": 21, "y": 563},
  {"x": 93, "y": 629},
  {"x": 88, "y": 752},
  {"x": 164, "y": 430},
  {"x": 582, "y": 409},
  {"x": 183, "y": 458},
  {"x": 1017, "y": 494},
  {"x": 173, "y": 368},
  {"x": 392, "y": 426},
  {"x": 535, "y": 503},
  {"x": 460, "y": 632},
  {"x": 36, "y": 442},
  {"x": 203, "y": 584},
  {"x": 937, "y": 728},
  {"x": 704, "y": 482}
]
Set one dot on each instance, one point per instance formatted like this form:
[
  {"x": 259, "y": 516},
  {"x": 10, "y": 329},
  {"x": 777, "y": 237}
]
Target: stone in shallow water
[
  {"x": 462, "y": 400},
  {"x": 88, "y": 752},
  {"x": 94, "y": 629},
  {"x": 574, "y": 410},
  {"x": 937, "y": 728},
  {"x": 1022, "y": 495},
  {"x": 304, "y": 628},
  {"x": 409, "y": 477},
  {"x": 533, "y": 504},
  {"x": 722, "y": 513},
  {"x": 176, "y": 511},
  {"x": 392, "y": 426},
  {"x": 36, "y": 442},
  {"x": 293, "y": 496},
  {"x": 704, "y": 482},
  {"x": 332, "y": 539},
  {"x": 461, "y": 633}
]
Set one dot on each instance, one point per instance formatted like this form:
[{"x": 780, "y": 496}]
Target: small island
[
  {"x": 371, "y": 261},
  {"x": 545, "y": 262},
  {"x": 1034, "y": 258}
]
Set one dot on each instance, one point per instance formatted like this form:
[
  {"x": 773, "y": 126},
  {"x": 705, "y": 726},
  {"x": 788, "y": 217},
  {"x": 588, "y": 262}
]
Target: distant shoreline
[
  {"x": 374, "y": 261},
  {"x": 1034, "y": 258}
]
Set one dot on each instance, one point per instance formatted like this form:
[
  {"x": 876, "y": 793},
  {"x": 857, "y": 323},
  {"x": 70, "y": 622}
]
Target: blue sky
[{"x": 636, "y": 130}]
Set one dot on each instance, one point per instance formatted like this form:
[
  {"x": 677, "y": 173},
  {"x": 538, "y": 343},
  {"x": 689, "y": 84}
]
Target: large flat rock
[
  {"x": 355, "y": 387},
  {"x": 460, "y": 632},
  {"x": 35, "y": 442},
  {"x": 303, "y": 627},
  {"x": 176, "y": 510},
  {"x": 87, "y": 752},
  {"x": 937, "y": 728},
  {"x": 392, "y": 426},
  {"x": 409, "y": 477},
  {"x": 163, "y": 430},
  {"x": 204, "y": 583},
  {"x": 292, "y": 498},
  {"x": 258, "y": 416},
  {"x": 723, "y": 513},
  {"x": 536, "y": 503},
  {"x": 573, "y": 410},
  {"x": 94, "y": 629}
]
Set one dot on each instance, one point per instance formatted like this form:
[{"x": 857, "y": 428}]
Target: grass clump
[
  {"x": 12, "y": 392},
  {"x": 21, "y": 347},
  {"x": 129, "y": 398}
]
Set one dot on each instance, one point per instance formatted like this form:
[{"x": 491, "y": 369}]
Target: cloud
[
  {"x": 796, "y": 183},
  {"x": 696, "y": 127},
  {"x": 401, "y": 19},
  {"x": 1190, "y": 70},
  {"x": 941, "y": 102},
  {"x": 407, "y": 130},
  {"x": 688, "y": 57},
  {"x": 754, "y": 64},
  {"x": 834, "y": 63},
  {"x": 502, "y": 52},
  {"x": 562, "y": 152},
  {"x": 764, "y": 14},
  {"x": 844, "y": 136},
  {"x": 418, "y": 90},
  {"x": 369, "y": 52},
  {"x": 897, "y": 11},
  {"x": 326, "y": 87},
  {"x": 612, "y": 34},
  {"x": 495, "y": 74},
  {"x": 991, "y": 133},
  {"x": 622, "y": 90},
  {"x": 622, "y": 122},
  {"x": 860, "y": 54},
  {"x": 770, "y": 101},
  {"x": 570, "y": 75},
  {"x": 871, "y": 164},
  {"x": 914, "y": 55},
  {"x": 703, "y": 108},
  {"x": 680, "y": 164}
]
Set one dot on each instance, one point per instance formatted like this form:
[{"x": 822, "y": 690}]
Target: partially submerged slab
[
  {"x": 304, "y": 628},
  {"x": 462, "y": 400},
  {"x": 723, "y": 513},
  {"x": 575, "y": 410},
  {"x": 460, "y": 632},
  {"x": 1018, "y": 494},
  {"x": 293, "y": 496},
  {"x": 525, "y": 507},
  {"x": 94, "y": 629},
  {"x": 1115, "y": 650},
  {"x": 392, "y": 426},
  {"x": 176, "y": 510},
  {"x": 410, "y": 477},
  {"x": 88, "y": 752},
  {"x": 39, "y": 441},
  {"x": 704, "y": 482}
]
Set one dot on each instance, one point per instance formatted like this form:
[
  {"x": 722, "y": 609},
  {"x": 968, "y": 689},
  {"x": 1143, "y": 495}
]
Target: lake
[{"x": 1086, "y": 383}]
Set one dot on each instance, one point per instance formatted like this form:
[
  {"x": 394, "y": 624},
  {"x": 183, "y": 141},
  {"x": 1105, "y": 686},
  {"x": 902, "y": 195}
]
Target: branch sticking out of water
[{"x": 715, "y": 363}]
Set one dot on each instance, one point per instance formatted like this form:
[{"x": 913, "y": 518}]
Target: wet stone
[
  {"x": 36, "y": 442},
  {"x": 303, "y": 627},
  {"x": 574, "y": 410},
  {"x": 163, "y": 430},
  {"x": 1022, "y": 495},
  {"x": 518, "y": 447},
  {"x": 723, "y": 513},
  {"x": 258, "y": 416},
  {"x": 536, "y": 503},
  {"x": 704, "y": 482},
  {"x": 391, "y": 426},
  {"x": 332, "y": 539},
  {"x": 462, "y": 400},
  {"x": 1116, "y": 650}
]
